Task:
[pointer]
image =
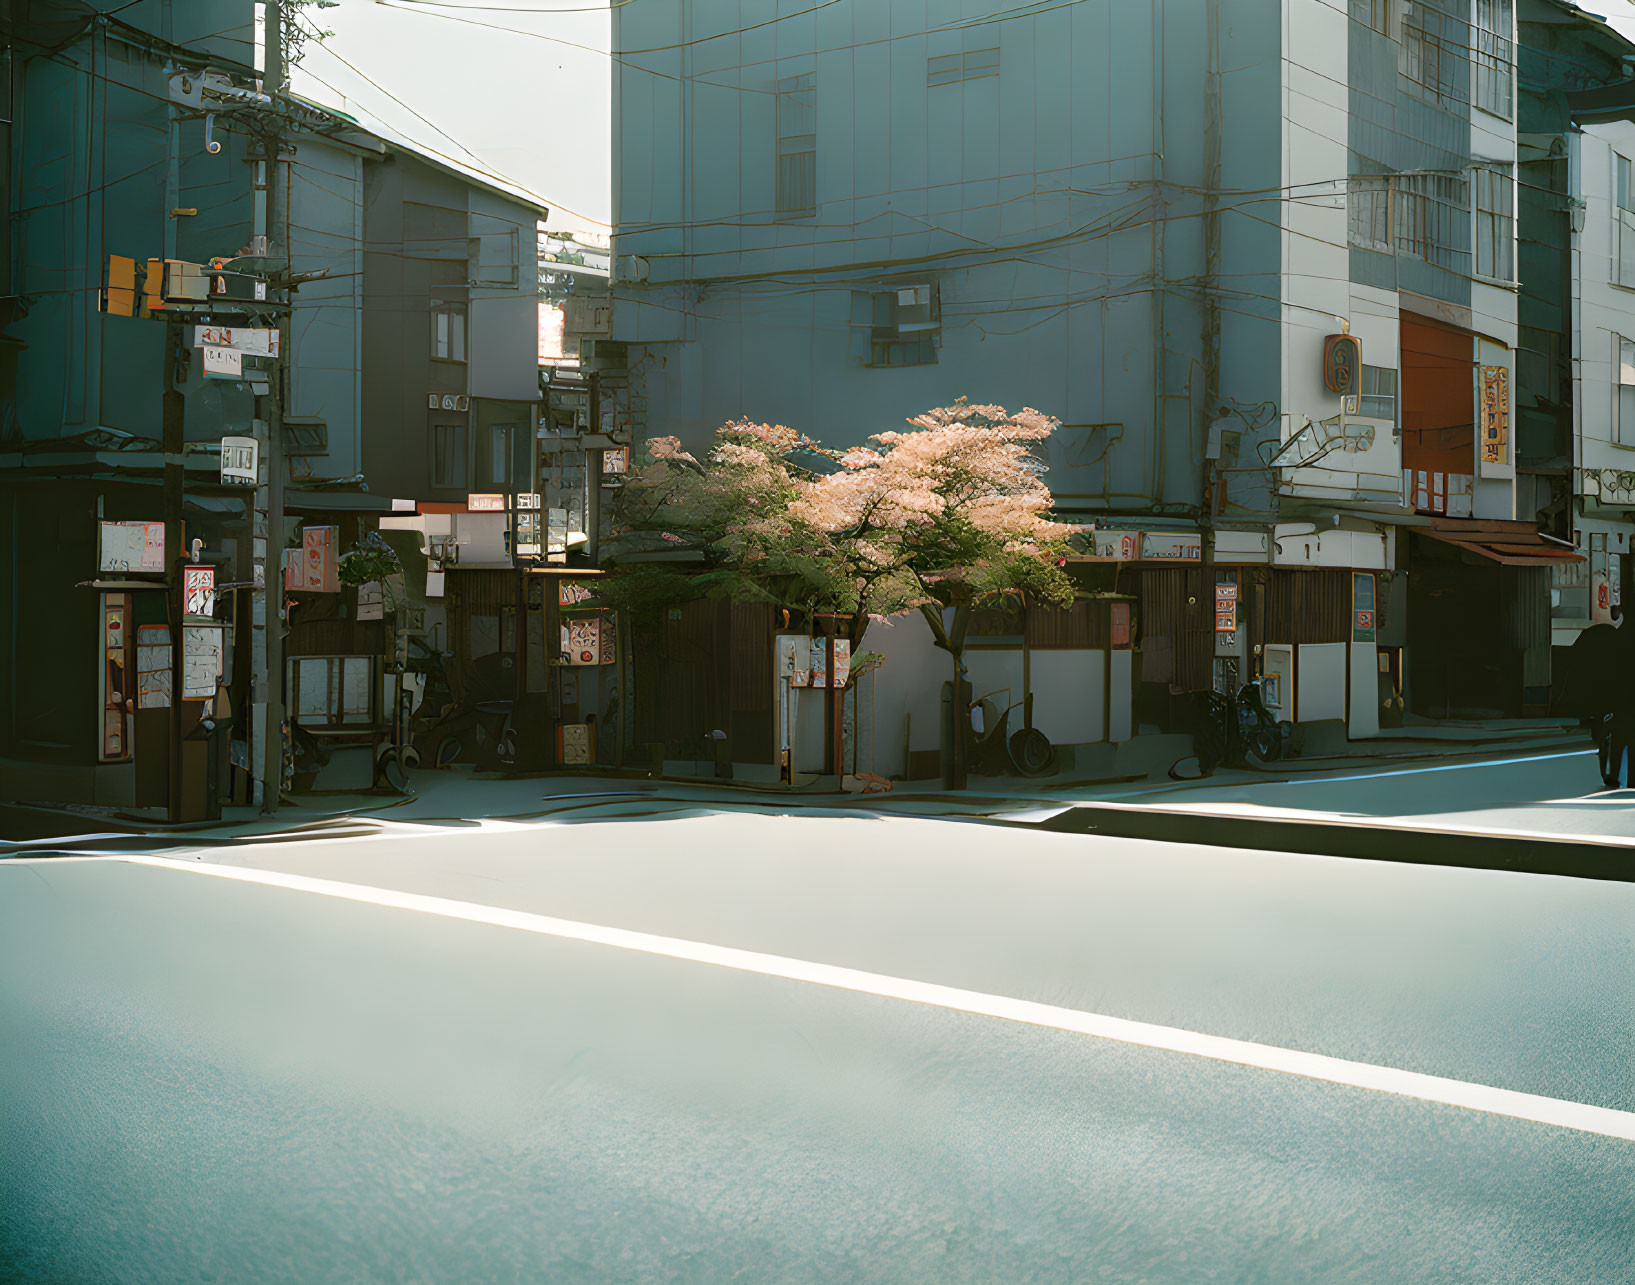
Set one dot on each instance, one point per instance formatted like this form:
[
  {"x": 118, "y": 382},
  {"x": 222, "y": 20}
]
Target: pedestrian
[{"x": 1618, "y": 683}]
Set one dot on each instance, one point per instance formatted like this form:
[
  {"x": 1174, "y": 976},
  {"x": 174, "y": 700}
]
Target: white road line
[
  {"x": 1605, "y": 1121},
  {"x": 1440, "y": 767}
]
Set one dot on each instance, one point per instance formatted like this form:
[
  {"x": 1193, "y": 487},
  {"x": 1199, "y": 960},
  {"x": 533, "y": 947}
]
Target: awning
[{"x": 1512, "y": 544}]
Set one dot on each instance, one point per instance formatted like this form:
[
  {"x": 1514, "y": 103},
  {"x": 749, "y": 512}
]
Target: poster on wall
[
  {"x": 131, "y": 546},
  {"x": 575, "y": 743},
  {"x": 572, "y": 593},
  {"x": 819, "y": 671},
  {"x": 1362, "y": 607},
  {"x": 1493, "y": 418},
  {"x": 201, "y": 661},
  {"x": 312, "y": 568},
  {"x": 199, "y": 591},
  {"x": 153, "y": 667},
  {"x": 582, "y": 640}
]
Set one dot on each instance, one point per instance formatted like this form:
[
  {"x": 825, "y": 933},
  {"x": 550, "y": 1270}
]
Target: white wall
[
  {"x": 1606, "y": 310},
  {"x": 1320, "y": 676}
]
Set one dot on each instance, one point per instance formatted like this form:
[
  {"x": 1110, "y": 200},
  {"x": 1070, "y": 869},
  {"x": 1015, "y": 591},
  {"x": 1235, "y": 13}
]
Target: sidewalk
[{"x": 462, "y": 797}]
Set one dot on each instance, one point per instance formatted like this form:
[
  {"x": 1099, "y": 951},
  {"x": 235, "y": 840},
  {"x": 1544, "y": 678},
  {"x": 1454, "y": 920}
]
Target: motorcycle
[{"x": 1239, "y": 731}]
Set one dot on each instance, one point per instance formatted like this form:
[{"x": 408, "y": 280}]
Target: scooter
[{"x": 998, "y": 751}]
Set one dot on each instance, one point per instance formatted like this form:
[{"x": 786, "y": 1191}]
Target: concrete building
[
  {"x": 411, "y": 366},
  {"x": 1150, "y": 220}
]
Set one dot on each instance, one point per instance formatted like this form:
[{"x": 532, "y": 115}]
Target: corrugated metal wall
[
  {"x": 1174, "y": 607},
  {"x": 711, "y": 670},
  {"x": 1308, "y": 606}
]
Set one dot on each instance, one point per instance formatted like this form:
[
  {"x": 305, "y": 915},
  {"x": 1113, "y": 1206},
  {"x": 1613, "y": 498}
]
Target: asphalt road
[{"x": 202, "y": 1078}]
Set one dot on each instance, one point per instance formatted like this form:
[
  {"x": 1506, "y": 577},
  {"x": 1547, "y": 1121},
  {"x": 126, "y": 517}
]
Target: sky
[
  {"x": 522, "y": 106},
  {"x": 507, "y": 87}
]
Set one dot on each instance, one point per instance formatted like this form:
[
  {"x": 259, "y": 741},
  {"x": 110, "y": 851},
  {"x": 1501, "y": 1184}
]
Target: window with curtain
[
  {"x": 448, "y": 456},
  {"x": 1495, "y": 224},
  {"x": 1493, "y": 58},
  {"x": 796, "y": 194}
]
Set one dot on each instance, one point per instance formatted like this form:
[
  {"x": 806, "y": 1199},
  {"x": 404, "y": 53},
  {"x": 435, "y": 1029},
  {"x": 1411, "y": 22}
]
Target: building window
[
  {"x": 448, "y": 456},
  {"x": 1495, "y": 224},
  {"x": 1432, "y": 53},
  {"x": 448, "y": 330},
  {"x": 1623, "y": 225},
  {"x": 796, "y": 195},
  {"x": 1433, "y": 219},
  {"x": 903, "y": 325},
  {"x": 951, "y": 69},
  {"x": 1372, "y": 13},
  {"x": 495, "y": 468},
  {"x": 1623, "y": 428},
  {"x": 332, "y": 691},
  {"x": 1493, "y": 57},
  {"x": 492, "y": 252},
  {"x": 1368, "y": 206},
  {"x": 1379, "y": 393}
]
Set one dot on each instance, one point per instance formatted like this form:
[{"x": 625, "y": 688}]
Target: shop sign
[
  {"x": 485, "y": 504},
  {"x": 222, "y": 363},
  {"x": 132, "y": 546},
  {"x": 1172, "y": 548},
  {"x": 199, "y": 591},
  {"x": 1121, "y": 546},
  {"x": 588, "y": 640},
  {"x": 312, "y": 567},
  {"x": 1494, "y": 416},
  {"x": 239, "y": 461},
  {"x": 1226, "y": 608},
  {"x": 528, "y": 500},
  {"x": 258, "y": 343},
  {"x": 819, "y": 670},
  {"x": 1362, "y": 607},
  {"x": 572, "y": 593}
]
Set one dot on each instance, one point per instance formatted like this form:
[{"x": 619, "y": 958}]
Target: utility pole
[
  {"x": 172, "y": 413},
  {"x": 272, "y": 785},
  {"x": 593, "y": 477}
]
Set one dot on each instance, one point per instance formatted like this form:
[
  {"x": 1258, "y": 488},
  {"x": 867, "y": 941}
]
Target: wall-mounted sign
[
  {"x": 1123, "y": 546},
  {"x": 222, "y": 363},
  {"x": 312, "y": 567},
  {"x": 616, "y": 461},
  {"x": 794, "y": 654},
  {"x": 1120, "y": 624},
  {"x": 528, "y": 500},
  {"x": 240, "y": 461},
  {"x": 201, "y": 661},
  {"x": 153, "y": 667},
  {"x": 1362, "y": 607},
  {"x": 199, "y": 591},
  {"x": 116, "y": 678},
  {"x": 258, "y": 343},
  {"x": 447, "y": 401},
  {"x": 820, "y": 662},
  {"x": 485, "y": 504},
  {"x": 1342, "y": 364},
  {"x": 588, "y": 640},
  {"x": 1493, "y": 415},
  {"x": 572, "y": 593},
  {"x": 1172, "y": 548},
  {"x": 131, "y": 546},
  {"x": 1226, "y": 609}
]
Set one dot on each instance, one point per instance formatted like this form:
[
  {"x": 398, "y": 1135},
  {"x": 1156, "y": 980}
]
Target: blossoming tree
[{"x": 937, "y": 519}]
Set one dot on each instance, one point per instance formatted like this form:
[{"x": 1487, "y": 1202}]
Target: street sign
[{"x": 239, "y": 461}]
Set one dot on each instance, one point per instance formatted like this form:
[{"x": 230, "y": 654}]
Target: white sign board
[
  {"x": 239, "y": 460},
  {"x": 222, "y": 363},
  {"x": 132, "y": 546},
  {"x": 485, "y": 503},
  {"x": 258, "y": 343},
  {"x": 199, "y": 591},
  {"x": 201, "y": 661}
]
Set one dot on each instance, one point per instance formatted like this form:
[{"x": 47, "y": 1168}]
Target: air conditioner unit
[{"x": 603, "y": 354}]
